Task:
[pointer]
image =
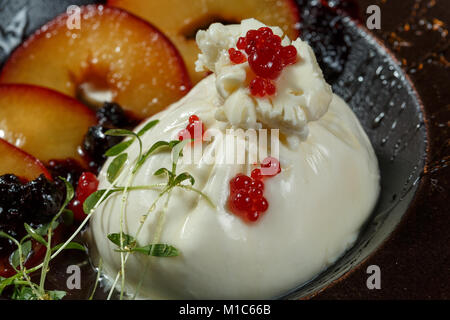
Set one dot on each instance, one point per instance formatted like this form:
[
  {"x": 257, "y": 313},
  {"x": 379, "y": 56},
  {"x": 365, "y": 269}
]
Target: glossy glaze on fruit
[
  {"x": 42, "y": 122},
  {"x": 181, "y": 19},
  {"x": 114, "y": 53}
]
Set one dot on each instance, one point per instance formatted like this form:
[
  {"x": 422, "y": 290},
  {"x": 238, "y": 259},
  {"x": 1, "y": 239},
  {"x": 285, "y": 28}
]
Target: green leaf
[
  {"x": 69, "y": 246},
  {"x": 23, "y": 293},
  {"x": 177, "y": 151},
  {"x": 183, "y": 177},
  {"x": 5, "y": 282},
  {"x": 67, "y": 217},
  {"x": 116, "y": 166},
  {"x": 157, "y": 250},
  {"x": 173, "y": 143},
  {"x": 7, "y": 236},
  {"x": 56, "y": 294},
  {"x": 118, "y": 148},
  {"x": 69, "y": 192},
  {"x": 15, "y": 258},
  {"x": 120, "y": 133},
  {"x": 92, "y": 200},
  {"x": 33, "y": 234},
  {"x": 43, "y": 229},
  {"x": 164, "y": 171},
  {"x": 149, "y": 152},
  {"x": 147, "y": 127},
  {"x": 115, "y": 238}
]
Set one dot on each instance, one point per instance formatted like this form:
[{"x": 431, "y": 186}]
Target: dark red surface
[{"x": 415, "y": 261}]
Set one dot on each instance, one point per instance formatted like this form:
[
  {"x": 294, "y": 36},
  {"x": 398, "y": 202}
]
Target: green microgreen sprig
[
  {"x": 115, "y": 168},
  {"x": 24, "y": 288}
]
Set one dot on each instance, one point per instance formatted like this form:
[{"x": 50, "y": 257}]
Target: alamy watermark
[
  {"x": 374, "y": 19},
  {"x": 235, "y": 146},
  {"x": 374, "y": 280},
  {"x": 73, "y": 17}
]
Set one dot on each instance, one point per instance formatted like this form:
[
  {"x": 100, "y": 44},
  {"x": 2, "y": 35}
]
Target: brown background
[{"x": 415, "y": 260}]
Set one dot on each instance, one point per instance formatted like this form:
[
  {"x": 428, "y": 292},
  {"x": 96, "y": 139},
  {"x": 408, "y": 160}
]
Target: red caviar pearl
[
  {"x": 240, "y": 182},
  {"x": 183, "y": 134},
  {"x": 274, "y": 42},
  {"x": 236, "y": 56},
  {"x": 240, "y": 202},
  {"x": 253, "y": 216},
  {"x": 255, "y": 193},
  {"x": 87, "y": 184},
  {"x": 258, "y": 87},
  {"x": 242, "y": 43},
  {"x": 289, "y": 55},
  {"x": 258, "y": 184},
  {"x": 266, "y": 57},
  {"x": 256, "y": 174},
  {"x": 271, "y": 166},
  {"x": 265, "y": 63},
  {"x": 193, "y": 118},
  {"x": 261, "y": 205},
  {"x": 265, "y": 31},
  {"x": 194, "y": 127},
  {"x": 261, "y": 87},
  {"x": 270, "y": 88}
]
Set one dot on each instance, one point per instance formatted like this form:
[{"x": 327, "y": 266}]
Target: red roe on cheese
[
  {"x": 195, "y": 126},
  {"x": 266, "y": 57},
  {"x": 246, "y": 197}
]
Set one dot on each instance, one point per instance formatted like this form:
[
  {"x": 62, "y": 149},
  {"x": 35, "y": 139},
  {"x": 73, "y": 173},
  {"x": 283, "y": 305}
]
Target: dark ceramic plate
[{"x": 370, "y": 80}]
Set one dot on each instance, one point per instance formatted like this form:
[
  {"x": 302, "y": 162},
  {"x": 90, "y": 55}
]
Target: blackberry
[
  {"x": 69, "y": 169},
  {"x": 112, "y": 115},
  {"x": 35, "y": 202},
  {"x": 96, "y": 143}
]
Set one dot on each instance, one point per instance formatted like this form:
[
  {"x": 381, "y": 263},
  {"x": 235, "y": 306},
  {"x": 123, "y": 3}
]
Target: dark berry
[
  {"x": 112, "y": 115},
  {"x": 96, "y": 143},
  {"x": 69, "y": 169},
  {"x": 33, "y": 202}
]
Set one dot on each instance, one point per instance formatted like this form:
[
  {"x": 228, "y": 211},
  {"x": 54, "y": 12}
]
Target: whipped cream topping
[{"x": 302, "y": 95}]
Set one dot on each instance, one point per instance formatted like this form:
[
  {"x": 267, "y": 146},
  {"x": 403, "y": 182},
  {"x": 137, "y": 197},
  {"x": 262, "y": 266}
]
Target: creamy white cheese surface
[{"x": 328, "y": 186}]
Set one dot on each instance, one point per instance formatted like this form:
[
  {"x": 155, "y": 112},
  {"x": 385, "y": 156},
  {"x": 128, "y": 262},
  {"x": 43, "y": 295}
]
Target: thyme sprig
[
  {"x": 24, "y": 288},
  {"x": 126, "y": 243}
]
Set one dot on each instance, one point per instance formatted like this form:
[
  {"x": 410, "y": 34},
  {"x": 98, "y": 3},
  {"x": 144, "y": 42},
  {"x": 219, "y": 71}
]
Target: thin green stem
[
  {"x": 152, "y": 207},
  {"x": 99, "y": 270}
]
